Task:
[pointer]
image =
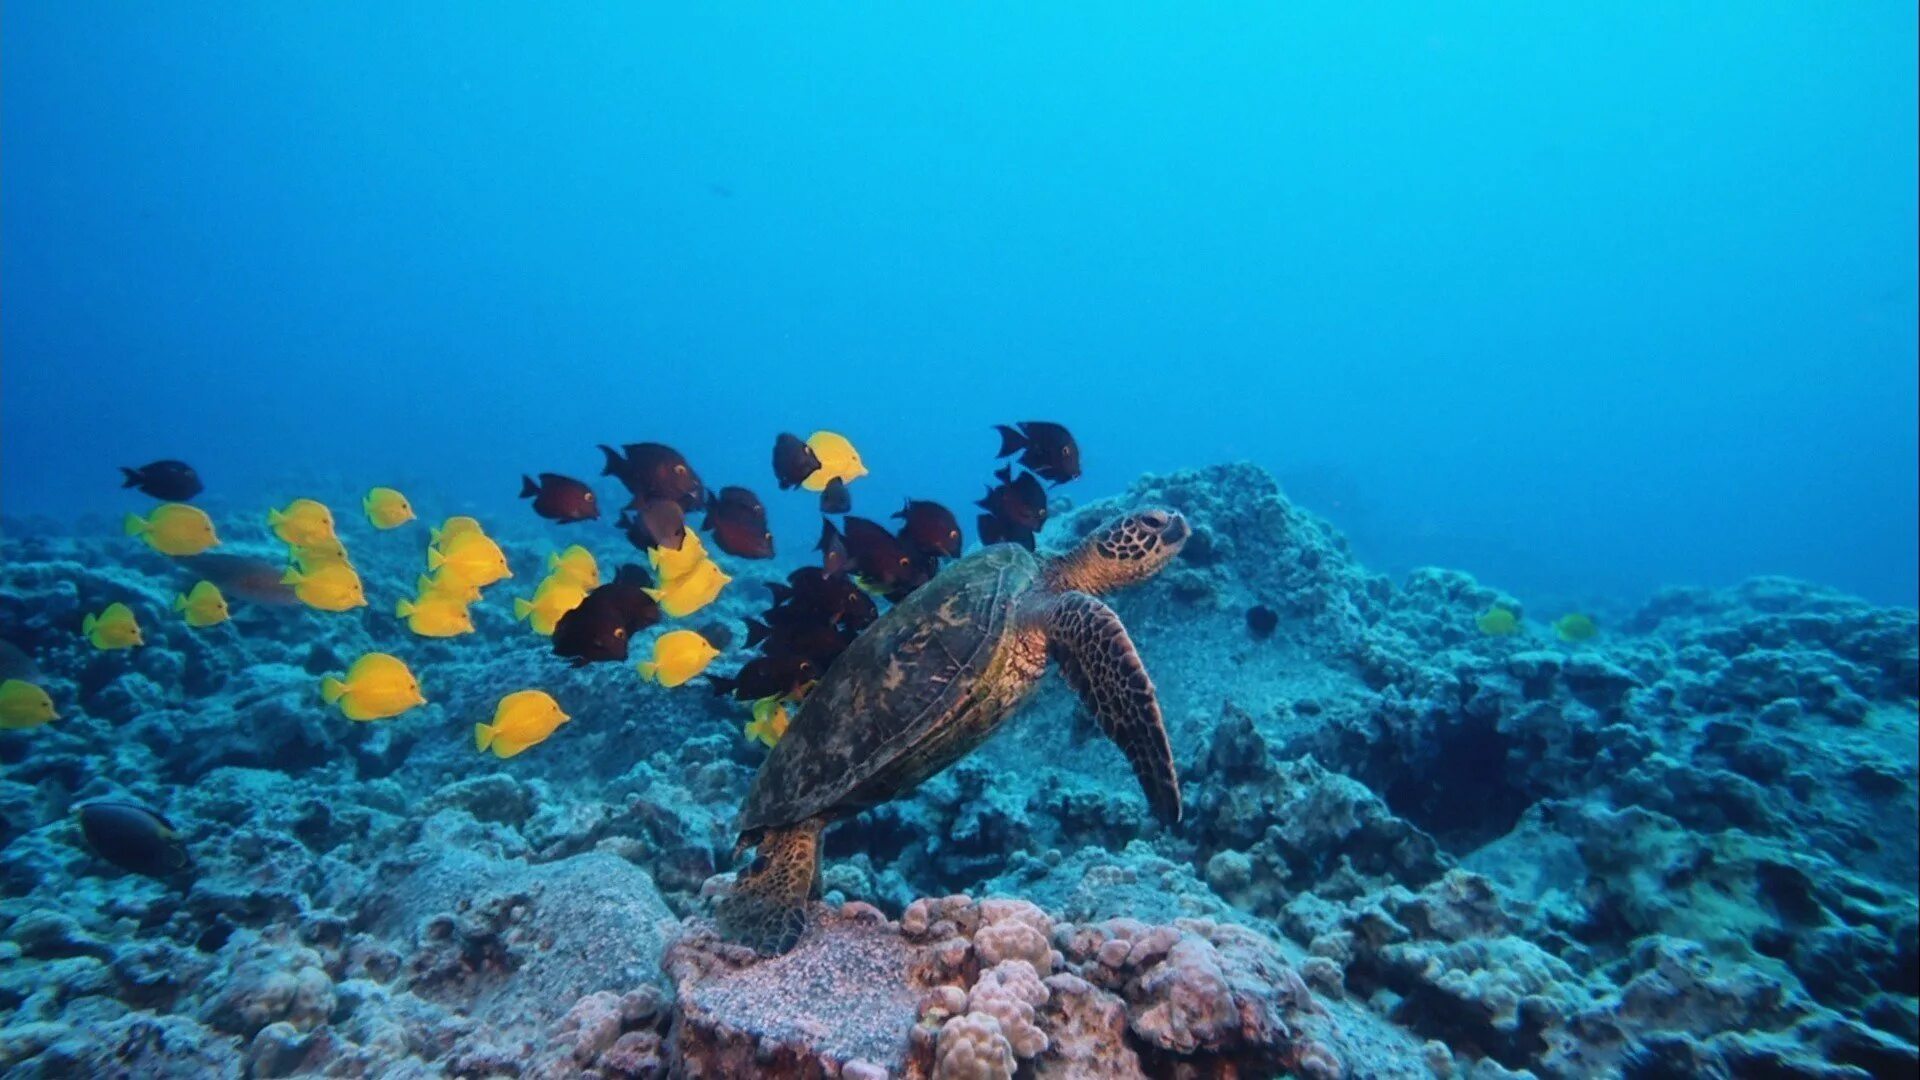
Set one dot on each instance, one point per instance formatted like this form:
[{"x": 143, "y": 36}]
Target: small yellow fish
[
  {"x": 522, "y": 719},
  {"x": 447, "y": 587},
  {"x": 387, "y": 508},
  {"x": 692, "y": 592},
  {"x": 435, "y": 615},
  {"x": 678, "y": 655},
  {"x": 769, "y": 723},
  {"x": 326, "y": 551},
  {"x": 577, "y": 565},
  {"x": 555, "y": 597},
  {"x": 24, "y": 705},
  {"x": 174, "y": 529},
  {"x": 1575, "y": 627},
  {"x": 329, "y": 587},
  {"x": 671, "y": 566},
  {"x": 203, "y": 605},
  {"x": 375, "y": 687},
  {"x": 472, "y": 557},
  {"x": 453, "y": 529},
  {"x": 113, "y": 628},
  {"x": 303, "y": 523},
  {"x": 838, "y": 461},
  {"x": 1498, "y": 622}
]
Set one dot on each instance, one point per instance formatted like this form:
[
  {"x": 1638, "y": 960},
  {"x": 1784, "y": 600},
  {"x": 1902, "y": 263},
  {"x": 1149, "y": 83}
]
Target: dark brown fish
[
  {"x": 655, "y": 471},
  {"x": 835, "y": 498},
  {"x": 765, "y": 676},
  {"x": 1017, "y": 501},
  {"x": 1047, "y": 448},
  {"x": 717, "y": 633},
  {"x": 133, "y": 838},
  {"x": 175, "y": 481},
  {"x": 832, "y": 548},
  {"x": 882, "y": 560},
  {"x": 1262, "y": 621},
  {"x": 658, "y": 523},
  {"x": 245, "y": 577},
  {"x": 739, "y": 525},
  {"x": 814, "y": 595},
  {"x": 602, "y": 627},
  {"x": 930, "y": 528},
  {"x": 995, "y": 531},
  {"x": 560, "y": 498},
  {"x": 793, "y": 461},
  {"x": 816, "y": 641}
]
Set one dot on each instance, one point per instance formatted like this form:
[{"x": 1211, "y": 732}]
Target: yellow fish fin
[
  {"x": 87, "y": 624},
  {"x": 404, "y": 607},
  {"x": 180, "y": 602},
  {"x": 291, "y": 577},
  {"x": 649, "y": 670},
  {"x": 435, "y": 560},
  {"x": 506, "y": 748},
  {"x": 331, "y": 689},
  {"x": 133, "y": 525},
  {"x": 521, "y": 608},
  {"x": 482, "y": 736}
]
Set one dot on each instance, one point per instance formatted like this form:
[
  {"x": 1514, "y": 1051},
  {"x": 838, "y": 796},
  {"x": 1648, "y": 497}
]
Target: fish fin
[
  {"x": 434, "y": 559},
  {"x": 649, "y": 670},
  {"x": 1011, "y": 440},
  {"x": 721, "y": 685},
  {"x": 482, "y": 736},
  {"x": 180, "y": 602},
  {"x": 1004, "y": 474},
  {"x": 781, "y": 592},
  {"x": 521, "y": 608},
  {"x": 133, "y": 525},
  {"x": 757, "y": 632},
  {"x": 404, "y": 607},
  {"x": 528, "y": 489},
  {"x": 133, "y": 477},
  {"x": 1101, "y": 663},
  {"x": 615, "y": 462},
  {"x": 87, "y": 624},
  {"x": 505, "y": 747},
  {"x": 291, "y": 577},
  {"x": 331, "y": 689},
  {"x": 654, "y": 594}
]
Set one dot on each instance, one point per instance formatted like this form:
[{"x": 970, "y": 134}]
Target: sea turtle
[{"x": 929, "y": 682}]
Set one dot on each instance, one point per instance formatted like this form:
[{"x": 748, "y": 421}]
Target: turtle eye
[{"x": 1154, "y": 519}]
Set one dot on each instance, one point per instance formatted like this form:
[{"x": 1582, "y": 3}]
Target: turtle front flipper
[
  {"x": 1098, "y": 658},
  {"x": 767, "y": 907}
]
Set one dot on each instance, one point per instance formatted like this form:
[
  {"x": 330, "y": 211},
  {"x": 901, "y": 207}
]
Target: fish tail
[
  {"x": 528, "y": 489},
  {"x": 433, "y": 537},
  {"x": 331, "y": 689},
  {"x": 649, "y": 670},
  {"x": 291, "y": 577},
  {"x": 133, "y": 477},
  {"x": 757, "y": 632},
  {"x": 614, "y": 462},
  {"x": 180, "y": 602},
  {"x": 87, "y": 624},
  {"x": 275, "y": 517},
  {"x": 521, "y": 608},
  {"x": 133, "y": 525},
  {"x": 1011, "y": 440},
  {"x": 482, "y": 736},
  {"x": 434, "y": 559},
  {"x": 722, "y": 685},
  {"x": 403, "y": 607}
]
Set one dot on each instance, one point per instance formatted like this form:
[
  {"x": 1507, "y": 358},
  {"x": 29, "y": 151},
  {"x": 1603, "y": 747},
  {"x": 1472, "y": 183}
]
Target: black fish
[
  {"x": 172, "y": 480},
  {"x": 655, "y": 471},
  {"x": 882, "y": 560},
  {"x": 929, "y": 528},
  {"x": 602, "y": 627},
  {"x": 1262, "y": 621},
  {"x": 995, "y": 531},
  {"x": 813, "y": 595},
  {"x": 658, "y": 523},
  {"x": 817, "y": 641},
  {"x": 793, "y": 461},
  {"x": 835, "y": 498},
  {"x": 739, "y": 524},
  {"x": 765, "y": 676},
  {"x": 1047, "y": 448},
  {"x": 832, "y": 548},
  {"x": 560, "y": 498},
  {"x": 134, "y": 838},
  {"x": 717, "y": 633},
  {"x": 1017, "y": 501}
]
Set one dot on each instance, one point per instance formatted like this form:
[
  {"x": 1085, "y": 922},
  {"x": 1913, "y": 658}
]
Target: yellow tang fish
[
  {"x": 24, "y": 705},
  {"x": 447, "y": 587},
  {"x": 203, "y": 605},
  {"x": 769, "y": 723},
  {"x": 174, "y": 529},
  {"x": 375, "y": 687},
  {"x": 472, "y": 557},
  {"x": 387, "y": 508},
  {"x": 678, "y": 655},
  {"x": 671, "y": 566},
  {"x": 1575, "y": 627},
  {"x": 577, "y": 565},
  {"x": 113, "y": 628},
  {"x": 838, "y": 461},
  {"x": 523, "y": 718},
  {"x": 555, "y": 597},
  {"x": 692, "y": 592},
  {"x": 453, "y": 529},
  {"x": 329, "y": 587},
  {"x": 304, "y": 522},
  {"x": 435, "y": 615},
  {"x": 326, "y": 551},
  {"x": 1498, "y": 622}
]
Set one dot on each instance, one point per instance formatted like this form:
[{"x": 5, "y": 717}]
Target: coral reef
[{"x": 1686, "y": 846}]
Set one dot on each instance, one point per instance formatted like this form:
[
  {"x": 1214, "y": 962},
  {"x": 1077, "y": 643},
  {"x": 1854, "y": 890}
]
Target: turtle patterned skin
[{"x": 932, "y": 680}]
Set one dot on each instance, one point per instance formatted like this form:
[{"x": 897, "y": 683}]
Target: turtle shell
[{"x": 889, "y": 699}]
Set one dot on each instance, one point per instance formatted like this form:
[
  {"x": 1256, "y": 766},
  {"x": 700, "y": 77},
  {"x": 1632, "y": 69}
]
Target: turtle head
[{"x": 1125, "y": 551}]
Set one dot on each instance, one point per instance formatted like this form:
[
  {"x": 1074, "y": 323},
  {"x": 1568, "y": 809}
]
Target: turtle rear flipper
[
  {"x": 767, "y": 907},
  {"x": 1101, "y": 664}
]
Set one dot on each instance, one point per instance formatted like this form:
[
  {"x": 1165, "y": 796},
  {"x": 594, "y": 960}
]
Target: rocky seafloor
[{"x": 1686, "y": 847}]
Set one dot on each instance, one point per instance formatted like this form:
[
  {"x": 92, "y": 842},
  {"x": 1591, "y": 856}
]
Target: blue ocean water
[{"x": 1584, "y": 301}]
